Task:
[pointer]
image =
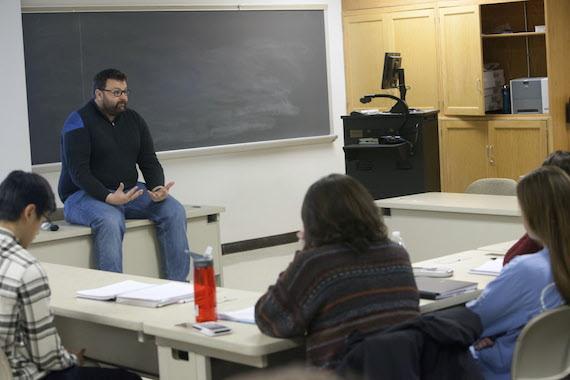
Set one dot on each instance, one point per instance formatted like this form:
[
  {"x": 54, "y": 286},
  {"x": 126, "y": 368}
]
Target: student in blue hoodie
[{"x": 530, "y": 284}]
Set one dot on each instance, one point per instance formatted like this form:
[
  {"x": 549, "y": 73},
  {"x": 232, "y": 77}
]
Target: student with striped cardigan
[{"x": 347, "y": 277}]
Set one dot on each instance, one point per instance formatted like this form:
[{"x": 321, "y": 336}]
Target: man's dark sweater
[{"x": 97, "y": 155}]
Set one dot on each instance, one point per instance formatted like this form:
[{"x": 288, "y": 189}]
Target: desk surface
[
  {"x": 65, "y": 281},
  {"x": 461, "y": 263},
  {"x": 455, "y": 202},
  {"x": 499, "y": 248}
]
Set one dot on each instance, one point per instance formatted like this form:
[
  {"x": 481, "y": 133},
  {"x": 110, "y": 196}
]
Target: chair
[
  {"x": 493, "y": 186},
  {"x": 543, "y": 347},
  {"x": 5, "y": 370}
]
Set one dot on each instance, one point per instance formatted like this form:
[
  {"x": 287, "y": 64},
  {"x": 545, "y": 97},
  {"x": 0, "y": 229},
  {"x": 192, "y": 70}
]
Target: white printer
[{"x": 529, "y": 95}]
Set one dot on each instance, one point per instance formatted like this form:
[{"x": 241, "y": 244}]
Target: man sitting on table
[
  {"x": 101, "y": 146},
  {"x": 28, "y": 336}
]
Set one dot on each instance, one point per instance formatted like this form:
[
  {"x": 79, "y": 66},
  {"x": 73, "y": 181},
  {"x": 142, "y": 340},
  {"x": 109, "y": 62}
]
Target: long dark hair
[
  {"x": 338, "y": 209},
  {"x": 544, "y": 197}
]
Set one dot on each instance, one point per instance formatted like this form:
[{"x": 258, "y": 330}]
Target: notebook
[
  {"x": 489, "y": 268},
  {"x": 438, "y": 288},
  {"x": 141, "y": 294},
  {"x": 110, "y": 292},
  {"x": 244, "y": 315}
]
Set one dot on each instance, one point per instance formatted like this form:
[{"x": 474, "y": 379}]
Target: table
[
  {"x": 437, "y": 224},
  {"x": 150, "y": 341},
  {"x": 499, "y": 249},
  {"x": 127, "y": 336},
  {"x": 72, "y": 244}
]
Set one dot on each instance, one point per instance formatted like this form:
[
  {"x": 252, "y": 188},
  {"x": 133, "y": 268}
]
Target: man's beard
[{"x": 114, "y": 109}]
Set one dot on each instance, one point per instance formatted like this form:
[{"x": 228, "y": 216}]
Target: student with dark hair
[
  {"x": 530, "y": 283},
  {"x": 525, "y": 244},
  {"x": 348, "y": 276},
  {"x": 28, "y": 335},
  {"x": 101, "y": 146}
]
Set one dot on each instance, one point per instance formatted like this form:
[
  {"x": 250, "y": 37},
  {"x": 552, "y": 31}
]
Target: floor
[{"x": 265, "y": 264}]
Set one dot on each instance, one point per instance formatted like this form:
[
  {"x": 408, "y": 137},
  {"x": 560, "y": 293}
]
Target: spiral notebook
[{"x": 141, "y": 294}]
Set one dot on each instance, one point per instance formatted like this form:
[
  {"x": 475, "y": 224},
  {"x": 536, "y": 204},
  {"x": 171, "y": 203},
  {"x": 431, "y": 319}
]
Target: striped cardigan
[{"x": 329, "y": 292}]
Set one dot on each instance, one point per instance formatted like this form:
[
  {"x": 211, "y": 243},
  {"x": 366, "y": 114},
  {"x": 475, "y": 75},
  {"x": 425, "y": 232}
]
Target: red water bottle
[{"x": 204, "y": 287}]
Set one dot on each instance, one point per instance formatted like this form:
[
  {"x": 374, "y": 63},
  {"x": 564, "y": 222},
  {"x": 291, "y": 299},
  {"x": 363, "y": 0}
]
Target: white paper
[
  {"x": 172, "y": 291},
  {"x": 244, "y": 315},
  {"x": 110, "y": 292},
  {"x": 489, "y": 268}
]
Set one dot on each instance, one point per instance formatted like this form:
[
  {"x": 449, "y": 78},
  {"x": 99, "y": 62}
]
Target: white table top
[
  {"x": 461, "y": 263},
  {"x": 246, "y": 339},
  {"x": 498, "y": 248},
  {"x": 455, "y": 202}
]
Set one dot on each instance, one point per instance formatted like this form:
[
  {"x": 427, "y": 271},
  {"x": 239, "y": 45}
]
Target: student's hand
[
  {"x": 483, "y": 343},
  {"x": 80, "y": 357},
  {"x": 119, "y": 197},
  {"x": 159, "y": 193}
]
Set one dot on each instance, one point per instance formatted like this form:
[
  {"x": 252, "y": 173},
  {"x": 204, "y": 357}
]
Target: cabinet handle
[
  {"x": 487, "y": 153},
  {"x": 491, "y": 159},
  {"x": 478, "y": 85}
]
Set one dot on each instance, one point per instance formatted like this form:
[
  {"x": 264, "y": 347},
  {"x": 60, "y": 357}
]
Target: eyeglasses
[{"x": 117, "y": 92}]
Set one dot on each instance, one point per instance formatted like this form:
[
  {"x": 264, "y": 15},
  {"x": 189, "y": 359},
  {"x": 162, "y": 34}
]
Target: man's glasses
[{"x": 117, "y": 92}]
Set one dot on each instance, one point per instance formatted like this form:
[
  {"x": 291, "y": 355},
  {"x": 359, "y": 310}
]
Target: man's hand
[
  {"x": 483, "y": 343},
  {"x": 80, "y": 357},
  {"x": 119, "y": 197},
  {"x": 159, "y": 193}
]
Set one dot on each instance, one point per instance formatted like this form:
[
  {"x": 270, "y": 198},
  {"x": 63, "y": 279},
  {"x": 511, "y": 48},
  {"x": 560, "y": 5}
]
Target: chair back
[
  {"x": 493, "y": 186},
  {"x": 5, "y": 370},
  {"x": 543, "y": 347}
]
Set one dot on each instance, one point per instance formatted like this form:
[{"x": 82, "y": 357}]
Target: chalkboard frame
[{"x": 213, "y": 149}]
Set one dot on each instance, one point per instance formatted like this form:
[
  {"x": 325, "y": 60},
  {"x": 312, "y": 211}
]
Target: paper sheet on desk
[
  {"x": 109, "y": 292},
  {"x": 244, "y": 315},
  {"x": 489, "y": 268}
]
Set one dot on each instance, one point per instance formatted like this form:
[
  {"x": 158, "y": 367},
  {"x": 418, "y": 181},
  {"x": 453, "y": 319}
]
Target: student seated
[
  {"x": 28, "y": 335},
  {"x": 348, "y": 276},
  {"x": 530, "y": 283},
  {"x": 525, "y": 245}
]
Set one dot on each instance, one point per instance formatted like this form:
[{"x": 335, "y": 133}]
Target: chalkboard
[{"x": 199, "y": 78}]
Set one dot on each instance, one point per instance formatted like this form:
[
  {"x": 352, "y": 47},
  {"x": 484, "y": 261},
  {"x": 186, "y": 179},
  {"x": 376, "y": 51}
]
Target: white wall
[
  {"x": 14, "y": 135},
  {"x": 262, "y": 190}
]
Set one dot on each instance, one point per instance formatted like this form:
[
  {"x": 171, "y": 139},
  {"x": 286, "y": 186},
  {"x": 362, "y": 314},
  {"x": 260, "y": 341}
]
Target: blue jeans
[{"x": 107, "y": 224}]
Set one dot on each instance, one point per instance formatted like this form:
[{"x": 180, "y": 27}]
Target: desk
[
  {"x": 126, "y": 335},
  {"x": 437, "y": 224},
  {"x": 499, "y": 248},
  {"x": 148, "y": 339},
  {"x": 72, "y": 244}
]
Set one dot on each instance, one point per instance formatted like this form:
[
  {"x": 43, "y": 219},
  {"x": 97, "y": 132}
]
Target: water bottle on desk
[
  {"x": 204, "y": 286},
  {"x": 397, "y": 238}
]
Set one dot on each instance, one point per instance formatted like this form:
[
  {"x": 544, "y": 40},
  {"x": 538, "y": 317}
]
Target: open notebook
[
  {"x": 492, "y": 267},
  {"x": 246, "y": 315},
  {"x": 141, "y": 294}
]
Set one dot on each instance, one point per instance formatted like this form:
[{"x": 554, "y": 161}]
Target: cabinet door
[
  {"x": 462, "y": 67},
  {"x": 463, "y": 153},
  {"x": 516, "y": 147},
  {"x": 364, "y": 39},
  {"x": 413, "y": 34}
]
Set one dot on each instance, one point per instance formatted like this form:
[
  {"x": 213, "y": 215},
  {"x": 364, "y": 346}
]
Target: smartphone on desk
[{"x": 212, "y": 328}]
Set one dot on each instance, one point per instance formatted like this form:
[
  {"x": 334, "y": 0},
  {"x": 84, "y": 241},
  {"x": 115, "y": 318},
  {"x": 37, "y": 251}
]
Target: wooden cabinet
[
  {"x": 479, "y": 148},
  {"x": 368, "y": 36},
  {"x": 413, "y": 34},
  {"x": 463, "y": 150},
  {"x": 365, "y": 44},
  {"x": 516, "y": 147},
  {"x": 461, "y": 64}
]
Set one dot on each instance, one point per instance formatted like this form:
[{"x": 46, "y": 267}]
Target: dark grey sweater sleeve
[{"x": 76, "y": 147}]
